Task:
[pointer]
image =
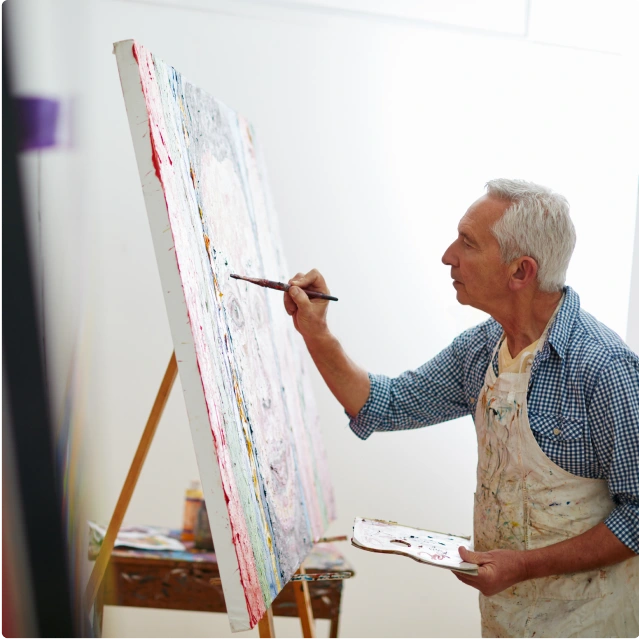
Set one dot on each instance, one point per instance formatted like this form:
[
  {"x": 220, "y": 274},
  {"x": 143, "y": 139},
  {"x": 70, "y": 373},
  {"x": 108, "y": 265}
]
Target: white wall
[{"x": 380, "y": 126}]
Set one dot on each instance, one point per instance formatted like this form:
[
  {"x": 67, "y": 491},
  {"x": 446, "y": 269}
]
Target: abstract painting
[{"x": 251, "y": 410}]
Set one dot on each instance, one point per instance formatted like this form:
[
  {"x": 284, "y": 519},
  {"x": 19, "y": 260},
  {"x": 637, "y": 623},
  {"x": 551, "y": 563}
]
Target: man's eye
[{"x": 467, "y": 244}]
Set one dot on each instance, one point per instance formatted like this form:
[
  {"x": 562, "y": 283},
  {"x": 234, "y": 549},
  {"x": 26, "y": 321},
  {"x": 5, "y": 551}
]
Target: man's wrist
[
  {"x": 526, "y": 565},
  {"x": 541, "y": 562},
  {"x": 319, "y": 339}
]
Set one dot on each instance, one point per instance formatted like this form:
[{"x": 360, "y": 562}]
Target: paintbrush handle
[
  {"x": 280, "y": 286},
  {"x": 320, "y": 296}
]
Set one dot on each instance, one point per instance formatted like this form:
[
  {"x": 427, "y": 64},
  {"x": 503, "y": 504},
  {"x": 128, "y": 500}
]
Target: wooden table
[{"x": 180, "y": 580}]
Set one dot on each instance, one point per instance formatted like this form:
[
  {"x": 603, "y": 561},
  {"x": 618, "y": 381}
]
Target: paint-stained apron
[{"x": 526, "y": 501}]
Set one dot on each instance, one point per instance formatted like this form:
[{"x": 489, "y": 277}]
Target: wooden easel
[{"x": 266, "y": 628}]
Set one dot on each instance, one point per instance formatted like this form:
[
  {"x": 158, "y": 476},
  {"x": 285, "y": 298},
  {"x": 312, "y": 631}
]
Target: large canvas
[{"x": 250, "y": 406}]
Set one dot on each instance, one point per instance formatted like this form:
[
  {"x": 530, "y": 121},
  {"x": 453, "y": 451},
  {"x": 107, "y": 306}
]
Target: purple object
[{"x": 37, "y": 122}]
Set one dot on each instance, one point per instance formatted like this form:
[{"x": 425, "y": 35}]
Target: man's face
[{"x": 480, "y": 277}]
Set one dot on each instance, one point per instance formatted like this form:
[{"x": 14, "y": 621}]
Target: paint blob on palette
[
  {"x": 426, "y": 546},
  {"x": 241, "y": 364}
]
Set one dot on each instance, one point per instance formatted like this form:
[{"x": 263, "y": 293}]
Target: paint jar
[
  {"x": 203, "y": 537},
  {"x": 194, "y": 497}
]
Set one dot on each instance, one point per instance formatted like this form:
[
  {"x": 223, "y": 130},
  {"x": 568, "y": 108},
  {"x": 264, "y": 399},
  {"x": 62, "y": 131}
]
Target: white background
[{"x": 380, "y": 123}]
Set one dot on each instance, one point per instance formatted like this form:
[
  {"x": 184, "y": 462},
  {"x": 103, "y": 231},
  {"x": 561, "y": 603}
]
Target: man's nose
[{"x": 448, "y": 258}]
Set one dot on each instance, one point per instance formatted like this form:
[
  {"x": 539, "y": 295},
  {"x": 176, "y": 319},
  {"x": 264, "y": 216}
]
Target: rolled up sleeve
[
  {"x": 372, "y": 413},
  {"x": 623, "y": 522},
  {"x": 431, "y": 394},
  {"x": 614, "y": 416}
]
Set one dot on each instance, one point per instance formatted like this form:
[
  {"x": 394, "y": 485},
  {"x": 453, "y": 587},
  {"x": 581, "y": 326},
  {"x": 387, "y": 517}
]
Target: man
[{"x": 555, "y": 398}]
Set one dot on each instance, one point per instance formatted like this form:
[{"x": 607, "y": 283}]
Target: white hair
[{"x": 538, "y": 225}]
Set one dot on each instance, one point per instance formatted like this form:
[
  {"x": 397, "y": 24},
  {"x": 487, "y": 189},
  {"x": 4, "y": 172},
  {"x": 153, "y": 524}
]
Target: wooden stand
[
  {"x": 190, "y": 580},
  {"x": 266, "y": 628},
  {"x": 303, "y": 599},
  {"x": 265, "y": 625},
  {"x": 100, "y": 566}
]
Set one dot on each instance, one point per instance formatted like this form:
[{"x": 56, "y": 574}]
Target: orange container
[{"x": 192, "y": 503}]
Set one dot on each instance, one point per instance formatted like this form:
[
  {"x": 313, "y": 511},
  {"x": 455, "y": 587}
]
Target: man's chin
[{"x": 460, "y": 290}]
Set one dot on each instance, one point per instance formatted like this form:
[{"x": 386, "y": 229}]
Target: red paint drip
[
  {"x": 254, "y": 616},
  {"x": 255, "y": 605},
  {"x": 155, "y": 157},
  {"x": 156, "y": 161}
]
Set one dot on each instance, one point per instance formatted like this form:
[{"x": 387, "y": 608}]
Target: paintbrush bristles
[{"x": 280, "y": 286}]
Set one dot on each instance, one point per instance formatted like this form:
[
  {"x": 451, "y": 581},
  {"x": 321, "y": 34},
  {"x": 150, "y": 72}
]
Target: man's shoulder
[{"x": 594, "y": 346}]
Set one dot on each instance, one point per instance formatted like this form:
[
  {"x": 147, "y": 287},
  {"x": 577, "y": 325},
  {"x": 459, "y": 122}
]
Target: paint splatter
[
  {"x": 420, "y": 545},
  {"x": 262, "y": 417}
]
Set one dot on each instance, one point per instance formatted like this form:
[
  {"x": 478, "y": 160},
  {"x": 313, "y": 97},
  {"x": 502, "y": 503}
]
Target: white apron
[{"x": 526, "y": 501}]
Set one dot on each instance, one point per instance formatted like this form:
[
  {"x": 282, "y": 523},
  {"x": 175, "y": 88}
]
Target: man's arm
[
  {"x": 431, "y": 394},
  {"x": 345, "y": 379},
  {"x": 500, "y": 569}
]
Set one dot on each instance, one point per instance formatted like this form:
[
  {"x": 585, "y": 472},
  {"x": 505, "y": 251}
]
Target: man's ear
[{"x": 523, "y": 272}]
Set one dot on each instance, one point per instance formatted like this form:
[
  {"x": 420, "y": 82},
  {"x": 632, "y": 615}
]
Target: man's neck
[{"x": 525, "y": 319}]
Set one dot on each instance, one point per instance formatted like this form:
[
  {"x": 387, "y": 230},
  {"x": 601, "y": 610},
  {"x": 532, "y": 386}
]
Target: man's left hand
[{"x": 498, "y": 570}]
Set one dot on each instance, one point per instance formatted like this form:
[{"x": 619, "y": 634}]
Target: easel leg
[
  {"x": 98, "y": 611},
  {"x": 104, "y": 555},
  {"x": 265, "y": 624},
  {"x": 304, "y": 607}
]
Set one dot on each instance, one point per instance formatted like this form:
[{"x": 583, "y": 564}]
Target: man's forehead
[{"x": 482, "y": 214}]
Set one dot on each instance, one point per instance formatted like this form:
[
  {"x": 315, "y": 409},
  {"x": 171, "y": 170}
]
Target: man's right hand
[
  {"x": 309, "y": 315},
  {"x": 348, "y": 382}
]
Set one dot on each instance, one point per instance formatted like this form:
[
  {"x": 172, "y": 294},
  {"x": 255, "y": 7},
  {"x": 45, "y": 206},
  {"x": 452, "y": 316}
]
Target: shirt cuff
[
  {"x": 371, "y": 415},
  {"x": 623, "y": 522}
]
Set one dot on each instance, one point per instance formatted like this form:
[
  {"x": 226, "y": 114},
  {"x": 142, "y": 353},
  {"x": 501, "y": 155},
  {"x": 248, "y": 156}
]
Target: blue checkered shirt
[{"x": 583, "y": 401}]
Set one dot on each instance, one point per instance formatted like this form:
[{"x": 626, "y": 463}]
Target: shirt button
[
  {"x": 556, "y": 431},
  {"x": 472, "y": 400}
]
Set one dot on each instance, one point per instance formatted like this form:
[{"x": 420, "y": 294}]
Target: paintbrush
[{"x": 280, "y": 286}]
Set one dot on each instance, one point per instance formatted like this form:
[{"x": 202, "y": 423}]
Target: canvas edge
[{"x": 175, "y": 302}]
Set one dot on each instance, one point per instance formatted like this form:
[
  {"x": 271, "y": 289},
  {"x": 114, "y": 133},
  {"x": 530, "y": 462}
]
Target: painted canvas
[
  {"x": 251, "y": 410},
  {"x": 425, "y": 546}
]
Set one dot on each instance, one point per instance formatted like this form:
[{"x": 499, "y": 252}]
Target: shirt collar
[{"x": 559, "y": 332}]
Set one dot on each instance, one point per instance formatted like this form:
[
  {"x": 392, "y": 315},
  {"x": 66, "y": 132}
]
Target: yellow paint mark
[
  {"x": 249, "y": 450},
  {"x": 240, "y": 406},
  {"x": 201, "y": 213},
  {"x": 181, "y": 106},
  {"x": 207, "y": 243}
]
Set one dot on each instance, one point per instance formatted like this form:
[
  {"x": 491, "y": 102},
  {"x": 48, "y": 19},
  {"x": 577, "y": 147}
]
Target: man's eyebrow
[{"x": 466, "y": 236}]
